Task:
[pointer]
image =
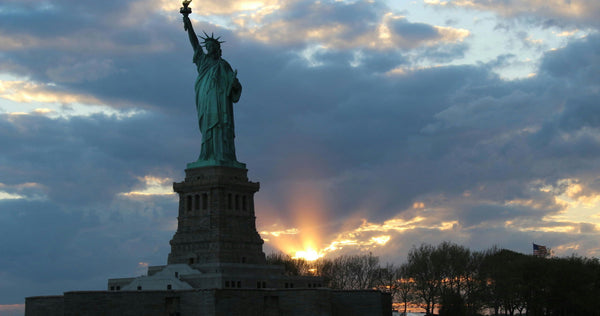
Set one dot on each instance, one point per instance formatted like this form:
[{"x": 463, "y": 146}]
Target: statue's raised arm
[{"x": 187, "y": 25}]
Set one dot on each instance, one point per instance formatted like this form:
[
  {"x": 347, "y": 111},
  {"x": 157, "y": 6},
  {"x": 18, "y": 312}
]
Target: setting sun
[{"x": 309, "y": 255}]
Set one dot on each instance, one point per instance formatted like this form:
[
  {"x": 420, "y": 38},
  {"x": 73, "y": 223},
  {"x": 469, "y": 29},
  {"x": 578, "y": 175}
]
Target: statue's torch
[{"x": 185, "y": 10}]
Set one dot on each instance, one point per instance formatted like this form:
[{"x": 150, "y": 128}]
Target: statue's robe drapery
[{"x": 216, "y": 90}]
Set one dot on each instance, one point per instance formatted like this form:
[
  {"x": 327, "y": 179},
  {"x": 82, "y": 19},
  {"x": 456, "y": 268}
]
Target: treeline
[{"x": 458, "y": 281}]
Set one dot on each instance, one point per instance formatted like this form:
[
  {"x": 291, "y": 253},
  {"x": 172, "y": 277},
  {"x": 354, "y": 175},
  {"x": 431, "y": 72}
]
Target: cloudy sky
[{"x": 371, "y": 126}]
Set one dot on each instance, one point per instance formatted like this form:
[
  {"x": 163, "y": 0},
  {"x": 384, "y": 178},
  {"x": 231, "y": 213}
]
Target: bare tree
[
  {"x": 387, "y": 279},
  {"x": 405, "y": 285},
  {"x": 425, "y": 273},
  {"x": 292, "y": 266},
  {"x": 350, "y": 272}
]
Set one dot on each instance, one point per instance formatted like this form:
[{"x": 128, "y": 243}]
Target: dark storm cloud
[
  {"x": 372, "y": 125},
  {"x": 86, "y": 53},
  {"x": 49, "y": 20},
  {"x": 579, "y": 61},
  {"x": 495, "y": 214},
  {"x": 488, "y": 135},
  {"x": 57, "y": 247},
  {"x": 414, "y": 31},
  {"x": 382, "y": 62},
  {"x": 87, "y": 160},
  {"x": 572, "y": 133}
]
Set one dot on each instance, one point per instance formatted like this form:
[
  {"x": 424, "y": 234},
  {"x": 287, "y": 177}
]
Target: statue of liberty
[{"x": 217, "y": 88}]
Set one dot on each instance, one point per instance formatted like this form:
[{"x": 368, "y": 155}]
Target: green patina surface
[
  {"x": 217, "y": 88},
  {"x": 207, "y": 163}
]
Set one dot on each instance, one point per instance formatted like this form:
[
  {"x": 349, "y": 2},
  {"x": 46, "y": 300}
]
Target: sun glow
[
  {"x": 308, "y": 255},
  {"x": 304, "y": 239},
  {"x": 303, "y": 243}
]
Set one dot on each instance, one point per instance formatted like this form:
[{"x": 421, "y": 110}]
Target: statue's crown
[{"x": 206, "y": 38}]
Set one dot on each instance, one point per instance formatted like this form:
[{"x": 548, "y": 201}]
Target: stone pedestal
[
  {"x": 216, "y": 222},
  {"x": 216, "y": 267}
]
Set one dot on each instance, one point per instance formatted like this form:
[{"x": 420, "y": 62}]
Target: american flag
[{"x": 539, "y": 250}]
